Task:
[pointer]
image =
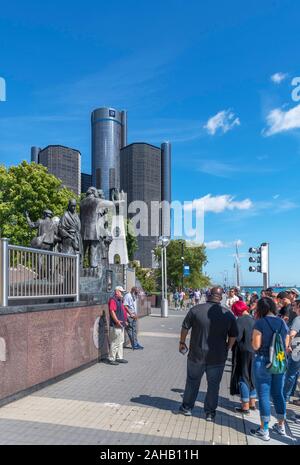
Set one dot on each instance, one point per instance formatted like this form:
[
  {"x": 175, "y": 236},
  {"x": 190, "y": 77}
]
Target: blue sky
[{"x": 213, "y": 77}]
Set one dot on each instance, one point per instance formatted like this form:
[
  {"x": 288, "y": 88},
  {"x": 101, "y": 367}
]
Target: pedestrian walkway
[{"x": 131, "y": 403}]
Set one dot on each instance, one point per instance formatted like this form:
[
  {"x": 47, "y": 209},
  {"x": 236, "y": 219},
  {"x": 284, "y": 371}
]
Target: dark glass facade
[
  {"x": 141, "y": 179},
  {"x": 64, "y": 163},
  {"x": 86, "y": 182}
]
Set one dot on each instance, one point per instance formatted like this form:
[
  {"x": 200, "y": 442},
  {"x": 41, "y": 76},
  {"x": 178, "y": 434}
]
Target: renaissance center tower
[{"x": 109, "y": 135}]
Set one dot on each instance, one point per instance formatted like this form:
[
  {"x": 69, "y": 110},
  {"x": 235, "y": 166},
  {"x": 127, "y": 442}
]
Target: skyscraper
[
  {"x": 146, "y": 177},
  {"x": 64, "y": 163},
  {"x": 109, "y": 135},
  {"x": 86, "y": 182}
]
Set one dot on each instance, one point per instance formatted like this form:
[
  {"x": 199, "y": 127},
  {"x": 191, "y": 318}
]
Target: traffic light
[
  {"x": 261, "y": 258},
  {"x": 257, "y": 259}
]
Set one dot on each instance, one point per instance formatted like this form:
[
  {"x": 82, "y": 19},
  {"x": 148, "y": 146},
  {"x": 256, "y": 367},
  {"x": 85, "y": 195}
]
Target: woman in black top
[{"x": 242, "y": 378}]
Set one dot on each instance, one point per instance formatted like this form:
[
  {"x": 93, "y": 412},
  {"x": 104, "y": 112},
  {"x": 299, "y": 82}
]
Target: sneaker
[
  {"x": 280, "y": 429},
  {"x": 260, "y": 433},
  {"x": 210, "y": 416},
  {"x": 121, "y": 360},
  {"x": 110, "y": 362},
  {"x": 187, "y": 412},
  {"x": 138, "y": 347},
  {"x": 241, "y": 410}
]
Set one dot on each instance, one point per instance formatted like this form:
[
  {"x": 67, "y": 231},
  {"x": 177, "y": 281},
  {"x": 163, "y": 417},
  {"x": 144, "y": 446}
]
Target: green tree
[
  {"x": 195, "y": 257},
  {"x": 147, "y": 278},
  {"x": 131, "y": 240},
  {"x": 30, "y": 187}
]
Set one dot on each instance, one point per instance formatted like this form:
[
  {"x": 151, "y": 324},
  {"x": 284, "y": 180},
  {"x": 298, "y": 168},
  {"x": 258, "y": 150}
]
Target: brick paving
[{"x": 132, "y": 403}]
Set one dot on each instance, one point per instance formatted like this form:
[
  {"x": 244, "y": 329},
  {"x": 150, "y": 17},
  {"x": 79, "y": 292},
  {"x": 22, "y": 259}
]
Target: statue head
[
  {"x": 72, "y": 205},
  {"x": 47, "y": 214},
  {"x": 92, "y": 192},
  {"x": 101, "y": 193}
]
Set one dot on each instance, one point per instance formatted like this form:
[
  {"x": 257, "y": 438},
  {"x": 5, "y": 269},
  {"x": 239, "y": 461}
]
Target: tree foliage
[
  {"x": 30, "y": 187},
  {"x": 131, "y": 239},
  {"x": 147, "y": 278},
  {"x": 195, "y": 257}
]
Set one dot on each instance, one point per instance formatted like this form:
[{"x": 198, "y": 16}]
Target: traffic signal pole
[
  {"x": 262, "y": 259},
  {"x": 265, "y": 264}
]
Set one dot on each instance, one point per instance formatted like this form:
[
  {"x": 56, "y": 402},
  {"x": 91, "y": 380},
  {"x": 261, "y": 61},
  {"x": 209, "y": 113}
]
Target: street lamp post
[
  {"x": 182, "y": 267},
  {"x": 164, "y": 242}
]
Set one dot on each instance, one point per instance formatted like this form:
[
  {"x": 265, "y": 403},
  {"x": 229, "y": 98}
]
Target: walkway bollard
[{"x": 164, "y": 308}]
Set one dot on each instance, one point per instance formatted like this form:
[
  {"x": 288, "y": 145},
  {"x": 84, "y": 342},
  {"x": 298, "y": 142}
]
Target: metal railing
[{"x": 27, "y": 273}]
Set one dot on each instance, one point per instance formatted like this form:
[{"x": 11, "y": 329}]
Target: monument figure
[
  {"x": 47, "y": 231},
  {"x": 69, "y": 230},
  {"x": 89, "y": 212}
]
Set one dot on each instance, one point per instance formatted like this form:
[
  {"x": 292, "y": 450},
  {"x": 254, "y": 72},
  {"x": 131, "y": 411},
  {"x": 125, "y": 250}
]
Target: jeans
[
  {"x": 246, "y": 394},
  {"x": 268, "y": 385},
  {"x": 131, "y": 329},
  {"x": 195, "y": 371},
  {"x": 291, "y": 378}
]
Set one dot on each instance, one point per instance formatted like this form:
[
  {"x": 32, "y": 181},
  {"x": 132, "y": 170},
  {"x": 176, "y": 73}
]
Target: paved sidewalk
[{"x": 129, "y": 404}]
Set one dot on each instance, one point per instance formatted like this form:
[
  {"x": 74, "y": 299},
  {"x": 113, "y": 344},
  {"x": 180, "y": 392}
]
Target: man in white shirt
[
  {"x": 197, "y": 296},
  {"x": 232, "y": 298},
  {"x": 130, "y": 305}
]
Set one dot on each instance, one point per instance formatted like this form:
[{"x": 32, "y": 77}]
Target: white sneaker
[
  {"x": 261, "y": 434},
  {"x": 280, "y": 429}
]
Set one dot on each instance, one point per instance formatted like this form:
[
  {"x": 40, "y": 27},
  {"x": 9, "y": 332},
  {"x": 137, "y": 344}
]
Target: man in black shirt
[{"x": 214, "y": 331}]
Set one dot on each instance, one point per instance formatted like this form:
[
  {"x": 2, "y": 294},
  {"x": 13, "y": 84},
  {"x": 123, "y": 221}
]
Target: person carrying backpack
[
  {"x": 176, "y": 298},
  {"x": 269, "y": 341}
]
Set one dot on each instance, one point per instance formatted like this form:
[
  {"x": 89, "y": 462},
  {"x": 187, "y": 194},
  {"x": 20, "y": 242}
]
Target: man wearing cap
[
  {"x": 294, "y": 294},
  {"x": 131, "y": 308},
  {"x": 214, "y": 331},
  {"x": 117, "y": 323}
]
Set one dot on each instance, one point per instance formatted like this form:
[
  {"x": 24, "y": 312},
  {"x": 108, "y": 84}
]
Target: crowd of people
[
  {"x": 246, "y": 325},
  {"x": 186, "y": 298}
]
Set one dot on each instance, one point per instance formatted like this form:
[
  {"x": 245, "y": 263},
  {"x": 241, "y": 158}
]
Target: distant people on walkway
[
  {"x": 191, "y": 302},
  {"x": 176, "y": 298},
  {"x": 130, "y": 304},
  {"x": 232, "y": 298},
  {"x": 214, "y": 331},
  {"x": 182, "y": 299},
  {"x": 117, "y": 323},
  {"x": 293, "y": 350},
  {"x": 197, "y": 296},
  {"x": 266, "y": 383},
  {"x": 242, "y": 380}
]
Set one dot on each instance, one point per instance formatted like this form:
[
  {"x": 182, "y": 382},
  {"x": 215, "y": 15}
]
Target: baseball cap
[
  {"x": 119, "y": 288},
  {"x": 294, "y": 291}
]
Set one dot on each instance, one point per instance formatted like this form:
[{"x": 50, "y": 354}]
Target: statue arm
[{"x": 31, "y": 224}]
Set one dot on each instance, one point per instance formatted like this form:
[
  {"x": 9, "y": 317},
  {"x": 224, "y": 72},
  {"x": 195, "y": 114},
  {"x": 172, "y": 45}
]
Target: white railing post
[
  {"x": 4, "y": 272},
  {"x": 77, "y": 277}
]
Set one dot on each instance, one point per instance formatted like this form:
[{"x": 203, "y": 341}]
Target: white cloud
[
  {"x": 213, "y": 245},
  {"x": 219, "y": 203},
  {"x": 224, "y": 120},
  {"x": 281, "y": 121},
  {"x": 277, "y": 78}
]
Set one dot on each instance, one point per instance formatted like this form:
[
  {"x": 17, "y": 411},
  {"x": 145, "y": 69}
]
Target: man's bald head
[{"x": 216, "y": 294}]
